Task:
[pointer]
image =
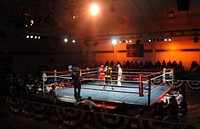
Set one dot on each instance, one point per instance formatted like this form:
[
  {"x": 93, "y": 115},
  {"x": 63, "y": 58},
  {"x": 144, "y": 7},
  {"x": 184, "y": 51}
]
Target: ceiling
[{"x": 116, "y": 16}]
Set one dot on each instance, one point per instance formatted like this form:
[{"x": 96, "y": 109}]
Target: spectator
[
  {"x": 158, "y": 65},
  {"x": 121, "y": 109},
  {"x": 172, "y": 107},
  {"x": 163, "y": 64},
  {"x": 88, "y": 103},
  {"x": 169, "y": 64},
  {"x": 194, "y": 65},
  {"x": 181, "y": 100},
  {"x": 52, "y": 95},
  {"x": 159, "y": 111},
  {"x": 140, "y": 113},
  {"x": 146, "y": 64}
]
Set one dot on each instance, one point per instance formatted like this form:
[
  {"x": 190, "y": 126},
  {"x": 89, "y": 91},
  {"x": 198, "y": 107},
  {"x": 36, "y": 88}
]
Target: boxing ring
[{"x": 138, "y": 88}]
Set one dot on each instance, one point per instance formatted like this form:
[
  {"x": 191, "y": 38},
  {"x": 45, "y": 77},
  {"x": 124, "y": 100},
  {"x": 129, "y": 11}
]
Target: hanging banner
[{"x": 135, "y": 50}]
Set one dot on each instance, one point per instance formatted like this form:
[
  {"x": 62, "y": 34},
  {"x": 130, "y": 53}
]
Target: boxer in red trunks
[{"x": 101, "y": 74}]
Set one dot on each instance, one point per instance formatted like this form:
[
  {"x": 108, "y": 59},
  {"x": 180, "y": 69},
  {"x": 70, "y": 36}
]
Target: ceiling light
[
  {"x": 150, "y": 40},
  {"x": 114, "y": 41},
  {"x": 94, "y": 9},
  {"x": 65, "y": 40}
]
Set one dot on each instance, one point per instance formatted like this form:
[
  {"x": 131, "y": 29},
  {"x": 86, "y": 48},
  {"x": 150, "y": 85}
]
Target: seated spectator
[
  {"x": 180, "y": 64},
  {"x": 181, "y": 100},
  {"x": 158, "y": 65},
  {"x": 159, "y": 111},
  {"x": 163, "y": 64},
  {"x": 150, "y": 64},
  {"x": 52, "y": 95},
  {"x": 194, "y": 66},
  {"x": 174, "y": 65},
  {"x": 140, "y": 113},
  {"x": 169, "y": 64},
  {"x": 172, "y": 106},
  {"x": 88, "y": 103},
  {"x": 171, "y": 118},
  {"x": 121, "y": 109},
  {"x": 146, "y": 64}
]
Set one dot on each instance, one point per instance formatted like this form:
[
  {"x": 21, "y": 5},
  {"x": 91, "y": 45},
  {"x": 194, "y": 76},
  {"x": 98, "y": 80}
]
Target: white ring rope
[
  {"x": 162, "y": 76},
  {"x": 92, "y": 79}
]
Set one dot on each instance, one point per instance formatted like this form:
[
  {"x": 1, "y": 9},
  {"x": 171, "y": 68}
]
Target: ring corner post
[
  {"x": 172, "y": 71},
  {"x": 55, "y": 76},
  {"x": 44, "y": 78},
  {"x": 149, "y": 92},
  {"x": 141, "y": 93},
  {"x": 164, "y": 76}
]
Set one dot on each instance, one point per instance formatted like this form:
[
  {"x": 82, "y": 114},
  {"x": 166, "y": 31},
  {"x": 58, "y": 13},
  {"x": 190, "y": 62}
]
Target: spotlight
[
  {"x": 165, "y": 40},
  {"x": 114, "y": 41},
  {"x": 31, "y": 36},
  {"x": 73, "y": 41},
  {"x": 150, "y": 40},
  {"x": 94, "y": 9},
  {"x": 27, "y": 36},
  {"x": 38, "y": 37},
  {"x": 65, "y": 40},
  {"x": 120, "y": 41},
  {"x": 126, "y": 41},
  {"x": 35, "y": 37},
  {"x": 130, "y": 41},
  {"x": 169, "y": 39}
]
